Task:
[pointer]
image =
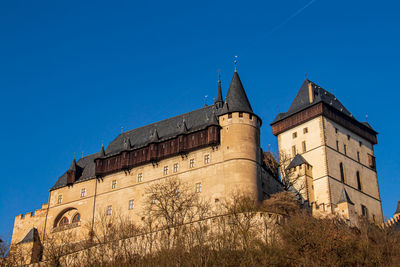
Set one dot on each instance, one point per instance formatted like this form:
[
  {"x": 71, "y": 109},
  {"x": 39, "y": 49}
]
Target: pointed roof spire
[
  {"x": 73, "y": 165},
  {"x": 236, "y": 98},
  {"x": 344, "y": 197},
  {"x": 102, "y": 152},
  {"x": 398, "y": 208},
  {"x": 235, "y": 63},
  {"x": 219, "y": 102}
]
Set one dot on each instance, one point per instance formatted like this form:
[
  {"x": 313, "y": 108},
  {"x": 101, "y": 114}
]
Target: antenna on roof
[
  {"x": 205, "y": 100},
  {"x": 122, "y": 129},
  {"x": 366, "y": 117},
  {"x": 235, "y": 63}
]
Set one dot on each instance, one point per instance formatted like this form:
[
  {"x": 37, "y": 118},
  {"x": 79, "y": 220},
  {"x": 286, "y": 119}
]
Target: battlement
[
  {"x": 393, "y": 222},
  {"x": 31, "y": 214}
]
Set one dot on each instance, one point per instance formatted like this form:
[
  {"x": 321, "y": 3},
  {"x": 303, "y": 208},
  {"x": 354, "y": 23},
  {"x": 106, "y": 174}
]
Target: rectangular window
[
  {"x": 114, "y": 184},
  {"x": 294, "y": 135},
  {"x": 337, "y": 145},
  {"x": 131, "y": 204},
  {"x": 251, "y": 117},
  {"x": 229, "y": 115},
  {"x": 176, "y": 167},
  {"x": 198, "y": 187},
  {"x": 348, "y": 137},
  {"x": 371, "y": 162},
  {"x": 336, "y": 130},
  {"x": 358, "y": 180},
  {"x": 139, "y": 177},
  {"x": 83, "y": 192},
  {"x": 364, "y": 211},
  {"x": 358, "y": 156},
  {"x": 240, "y": 114},
  {"x": 304, "y": 146},
  {"x": 59, "y": 200},
  {"x": 345, "y": 149},
  {"x": 360, "y": 143},
  {"x": 165, "y": 170},
  {"x": 341, "y": 172},
  {"x": 305, "y": 130},
  {"x": 293, "y": 151},
  {"x": 109, "y": 210},
  {"x": 191, "y": 163},
  {"x": 207, "y": 159}
]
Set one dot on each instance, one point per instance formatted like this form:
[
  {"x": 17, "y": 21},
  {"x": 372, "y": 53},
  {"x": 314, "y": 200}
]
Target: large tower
[{"x": 340, "y": 150}]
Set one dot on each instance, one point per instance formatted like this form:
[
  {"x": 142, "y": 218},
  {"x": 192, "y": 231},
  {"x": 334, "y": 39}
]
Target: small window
[
  {"x": 294, "y": 135},
  {"x": 83, "y": 192},
  {"x": 59, "y": 200},
  {"x": 207, "y": 159},
  {"x": 305, "y": 130},
  {"x": 336, "y": 130},
  {"x": 293, "y": 151},
  {"x": 176, "y": 167},
  {"x": 304, "y": 146},
  {"x": 337, "y": 145},
  {"x": 131, "y": 204},
  {"x": 198, "y": 187},
  {"x": 251, "y": 116},
  {"x": 371, "y": 162},
  {"x": 165, "y": 170},
  {"x": 345, "y": 149},
  {"x": 360, "y": 143},
  {"x": 240, "y": 114},
  {"x": 358, "y": 180},
  {"x": 229, "y": 115},
  {"x": 364, "y": 211},
  {"x": 114, "y": 184},
  {"x": 109, "y": 210},
  {"x": 348, "y": 137},
  {"x": 191, "y": 163},
  {"x": 358, "y": 156},
  {"x": 341, "y": 172},
  {"x": 64, "y": 221},
  {"x": 139, "y": 177},
  {"x": 76, "y": 218}
]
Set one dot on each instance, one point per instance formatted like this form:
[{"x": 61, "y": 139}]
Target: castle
[{"x": 216, "y": 149}]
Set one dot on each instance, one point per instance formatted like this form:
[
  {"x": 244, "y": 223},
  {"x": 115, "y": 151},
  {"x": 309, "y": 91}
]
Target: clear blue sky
[{"x": 73, "y": 72}]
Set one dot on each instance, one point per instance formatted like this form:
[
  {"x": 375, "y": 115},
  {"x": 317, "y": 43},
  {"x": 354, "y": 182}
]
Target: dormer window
[
  {"x": 229, "y": 115},
  {"x": 294, "y": 135},
  {"x": 240, "y": 114}
]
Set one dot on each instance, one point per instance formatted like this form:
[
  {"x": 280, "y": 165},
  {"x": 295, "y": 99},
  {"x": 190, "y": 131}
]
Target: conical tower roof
[
  {"x": 219, "y": 102},
  {"x": 398, "y": 208},
  {"x": 73, "y": 165},
  {"x": 344, "y": 197},
  {"x": 102, "y": 151},
  {"x": 236, "y": 98}
]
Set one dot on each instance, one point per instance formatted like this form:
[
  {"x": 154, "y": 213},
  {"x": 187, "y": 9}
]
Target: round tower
[{"x": 240, "y": 142}]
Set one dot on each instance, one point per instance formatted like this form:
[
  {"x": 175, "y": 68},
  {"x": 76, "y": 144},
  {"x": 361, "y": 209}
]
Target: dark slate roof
[
  {"x": 297, "y": 161},
  {"x": 219, "y": 101},
  {"x": 165, "y": 129},
  {"x": 301, "y": 101},
  {"x": 398, "y": 208},
  {"x": 85, "y": 170},
  {"x": 72, "y": 167},
  {"x": 344, "y": 197},
  {"x": 32, "y": 236},
  {"x": 236, "y": 98}
]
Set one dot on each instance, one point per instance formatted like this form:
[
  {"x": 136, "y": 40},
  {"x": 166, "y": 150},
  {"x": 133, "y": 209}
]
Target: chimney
[{"x": 310, "y": 92}]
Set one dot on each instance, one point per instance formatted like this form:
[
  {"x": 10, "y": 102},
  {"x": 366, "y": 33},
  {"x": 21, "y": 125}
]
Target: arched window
[
  {"x": 341, "y": 172},
  {"x": 64, "y": 221},
  {"x": 76, "y": 218},
  {"x": 358, "y": 181}
]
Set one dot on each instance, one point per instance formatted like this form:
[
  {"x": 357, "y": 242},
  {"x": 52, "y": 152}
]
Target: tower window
[
  {"x": 131, "y": 204},
  {"x": 345, "y": 149},
  {"x": 191, "y": 163},
  {"x": 371, "y": 162},
  {"x": 294, "y": 135},
  {"x": 207, "y": 159},
  {"x": 341, "y": 172},
  {"x": 59, "y": 200},
  {"x": 364, "y": 211},
  {"x": 176, "y": 167},
  {"x": 240, "y": 114},
  {"x": 109, "y": 210},
  {"x": 337, "y": 145},
  {"x": 251, "y": 116},
  {"x": 114, "y": 184},
  {"x": 336, "y": 130},
  {"x": 360, "y": 143},
  {"x": 293, "y": 151},
  {"x": 229, "y": 115},
  {"x": 198, "y": 187},
  {"x": 348, "y": 137},
  {"x": 139, "y": 177},
  {"x": 83, "y": 192},
  {"x": 358, "y": 156},
  {"x": 358, "y": 180},
  {"x": 165, "y": 170},
  {"x": 304, "y": 146},
  {"x": 305, "y": 130}
]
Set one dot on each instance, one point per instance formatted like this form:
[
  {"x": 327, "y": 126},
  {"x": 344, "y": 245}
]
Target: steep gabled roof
[
  {"x": 219, "y": 101},
  {"x": 344, "y": 197},
  {"x": 72, "y": 167},
  {"x": 236, "y": 98},
  {"x": 32, "y": 236},
  {"x": 302, "y": 101},
  {"x": 297, "y": 161}
]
